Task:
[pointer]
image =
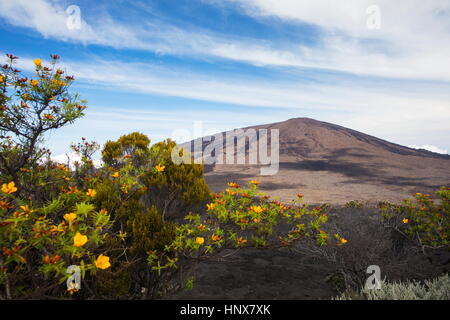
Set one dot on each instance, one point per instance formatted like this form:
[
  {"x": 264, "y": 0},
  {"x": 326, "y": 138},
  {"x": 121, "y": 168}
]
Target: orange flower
[
  {"x": 216, "y": 237},
  {"x": 102, "y": 262},
  {"x": 234, "y": 185},
  {"x": 160, "y": 168},
  {"x": 72, "y": 190},
  {"x": 5, "y": 205},
  {"x": 103, "y": 211},
  {"x": 240, "y": 241},
  {"x": 201, "y": 227},
  {"x": 256, "y": 220},
  {"x": 210, "y": 206},
  {"x": 91, "y": 193},
  {"x": 48, "y": 116},
  {"x": 9, "y": 188},
  {"x": 1, "y": 79},
  {"x": 51, "y": 260},
  {"x": 244, "y": 221},
  {"x": 405, "y": 221},
  {"x": 343, "y": 241},
  {"x": 255, "y": 182},
  {"x": 34, "y": 83},
  {"x": 79, "y": 240},
  {"x": 230, "y": 192}
]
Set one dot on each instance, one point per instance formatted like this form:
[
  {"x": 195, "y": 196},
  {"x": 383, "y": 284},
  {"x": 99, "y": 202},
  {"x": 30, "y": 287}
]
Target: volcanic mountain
[{"x": 334, "y": 164}]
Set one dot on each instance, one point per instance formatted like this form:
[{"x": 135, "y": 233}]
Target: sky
[{"x": 160, "y": 66}]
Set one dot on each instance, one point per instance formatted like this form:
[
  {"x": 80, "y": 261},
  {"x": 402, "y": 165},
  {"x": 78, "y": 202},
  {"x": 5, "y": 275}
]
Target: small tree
[{"x": 30, "y": 107}]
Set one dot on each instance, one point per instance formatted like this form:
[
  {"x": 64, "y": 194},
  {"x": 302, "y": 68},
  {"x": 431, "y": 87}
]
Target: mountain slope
[{"x": 330, "y": 163}]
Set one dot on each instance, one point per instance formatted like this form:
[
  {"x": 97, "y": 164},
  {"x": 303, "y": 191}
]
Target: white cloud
[
  {"x": 430, "y": 148},
  {"x": 405, "y": 47}
]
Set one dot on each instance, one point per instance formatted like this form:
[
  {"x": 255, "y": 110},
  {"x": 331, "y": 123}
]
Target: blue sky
[{"x": 158, "y": 66}]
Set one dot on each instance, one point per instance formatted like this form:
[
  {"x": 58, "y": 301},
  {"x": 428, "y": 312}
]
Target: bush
[
  {"x": 369, "y": 241},
  {"x": 435, "y": 289},
  {"x": 422, "y": 220},
  {"x": 46, "y": 222}
]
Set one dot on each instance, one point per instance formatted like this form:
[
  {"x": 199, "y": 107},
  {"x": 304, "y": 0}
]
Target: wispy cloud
[{"x": 397, "y": 50}]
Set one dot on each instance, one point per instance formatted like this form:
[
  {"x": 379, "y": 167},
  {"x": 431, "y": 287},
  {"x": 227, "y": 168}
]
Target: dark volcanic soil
[
  {"x": 297, "y": 274},
  {"x": 261, "y": 274}
]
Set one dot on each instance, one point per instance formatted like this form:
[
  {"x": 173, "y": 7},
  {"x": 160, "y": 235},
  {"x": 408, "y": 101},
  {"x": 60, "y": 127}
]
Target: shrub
[
  {"x": 369, "y": 242},
  {"x": 354, "y": 204},
  {"x": 46, "y": 222},
  {"x": 435, "y": 289},
  {"x": 28, "y": 109},
  {"x": 422, "y": 220},
  {"x": 39, "y": 242},
  {"x": 241, "y": 217}
]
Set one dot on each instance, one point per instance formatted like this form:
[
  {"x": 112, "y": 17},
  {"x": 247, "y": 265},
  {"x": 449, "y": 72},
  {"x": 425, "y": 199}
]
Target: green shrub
[
  {"x": 435, "y": 289},
  {"x": 423, "y": 220}
]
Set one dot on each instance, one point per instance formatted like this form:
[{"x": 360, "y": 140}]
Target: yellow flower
[
  {"x": 160, "y": 168},
  {"x": 405, "y": 221},
  {"x": 199, "y": 240},
  {"x": 230, "y": 192},
  {"x": 1, "y": 79},
  {"x": 69, "y": 217},
  {"x": 91, "y": 193},
  {"x": 79, "y": 240},
  {"x": 115, "y": 174},
  {"x": 37, "y": 62},
  {"x": 255, "y": 182},
  {"x": 233, "y": 185},
  {"x": 102, "y": 262},
  {"x": 343, "y": 241},
  {"x": 9, "y": 188},
  {"x": 216, "y": 237},
  {"x": 256, "y": 209},
  {"x": 34, "y": 83},
  {"x": 210, "y": 206},
  {"x": 256, "y": 220},
  {"x": 26, "y": 209}
]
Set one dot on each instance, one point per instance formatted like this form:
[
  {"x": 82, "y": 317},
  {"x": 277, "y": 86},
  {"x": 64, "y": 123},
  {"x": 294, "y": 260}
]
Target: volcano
[{"x": 330, "y": 163}]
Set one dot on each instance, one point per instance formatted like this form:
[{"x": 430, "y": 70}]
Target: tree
[{"x": 30, "y": 107}]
